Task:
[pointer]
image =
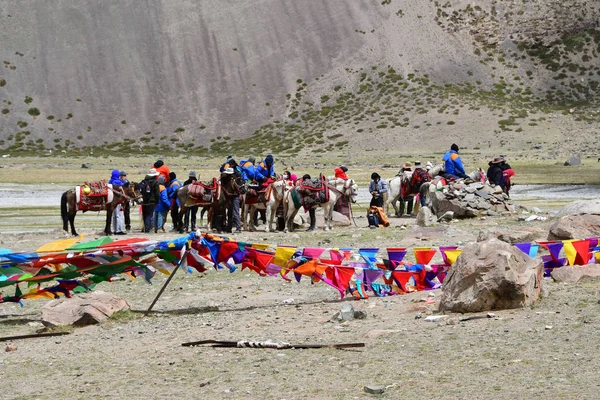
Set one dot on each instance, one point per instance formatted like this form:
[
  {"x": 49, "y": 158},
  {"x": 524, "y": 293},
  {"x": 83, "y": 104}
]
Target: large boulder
[
  {"x": 581, "y": 207},
  {"x": 440, "y": 204},
  {"x": 573, "y": 160},
  {"x": 425, "y": 218},
  {"x": 491, "y": 275},
  {"x": 574, "y": 273},
  {"x": 84, "y": 309},
  {"x": 575, "y": 227},
  {"x": 512, "y": 236}
]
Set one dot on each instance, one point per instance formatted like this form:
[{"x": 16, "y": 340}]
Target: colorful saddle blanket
[
  {"x": 257, "y": 195},
  {"x": 204, "y": 192},
  {"x": 313, "y": 192},
  {"x": 93, "y": 196}
]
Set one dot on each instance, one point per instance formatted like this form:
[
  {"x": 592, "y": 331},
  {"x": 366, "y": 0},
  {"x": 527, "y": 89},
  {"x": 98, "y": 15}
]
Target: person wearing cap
[
  {"x": 117, "y": 215},
  {"x": 494, "y": 172},
  {"x": 406, "y": 196},
  {"x": 150, "y": 195},
  {"x": 193, "y": 210},
  {"x": 377, "y": 188},
  {"x": 340, "y": 172},
  {"x": 162, "y": 169},
  {"x": 265, "y": 169},
  {"x": 453, "y": 164},
  {"x": 162, "y": 207},
  {"x": 126, "y": 205}
]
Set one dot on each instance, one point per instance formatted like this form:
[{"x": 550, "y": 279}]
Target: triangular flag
[
  {"x": 369, "y": 255},
  {"x": 312, "y": 252},
  {"x": 58, "y": 245},
  {"x": 424, "y": 256},
  {"x": 283, "y": 254},
  {"x": 91, "y": 244}
]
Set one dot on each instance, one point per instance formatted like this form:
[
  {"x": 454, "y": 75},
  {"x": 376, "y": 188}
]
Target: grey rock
[
  {"x": 492, "y": 275},
  {"x": 83, "y": 309},
  {"x": 360, "y": 315},
  {"x": 470, "y": 197},
  {"x": 573, "y": 160},
  {"x": 482, "y": 194},
  {"x": 492, "y": 213},
  {"x": 86, "y": 165},
  {"x": 424, "y": 217},
  {"x": 581, "y": 207},
  {"x": 471, "y": 189},
  {"x": 374, "y": 389},
  {"x": 347, "y": 312},
  {"x": 574, "y": 273},
  {"x": 575, "y": 227}
]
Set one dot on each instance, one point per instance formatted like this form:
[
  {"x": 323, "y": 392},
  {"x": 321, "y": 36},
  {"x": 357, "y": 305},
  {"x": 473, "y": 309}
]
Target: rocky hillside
[{"x": 283, "y": 76}]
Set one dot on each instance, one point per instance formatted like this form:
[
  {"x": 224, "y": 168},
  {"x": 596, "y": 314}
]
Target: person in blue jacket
[
  {"x": 172, "y": 189},
  {"x": 118, "y": 217},
  {"x": 265, "y": 169},
  {"x": 453, "y": 164},
  {"x": 162, "y": 207},
  {"x": 248, "y": 169}
]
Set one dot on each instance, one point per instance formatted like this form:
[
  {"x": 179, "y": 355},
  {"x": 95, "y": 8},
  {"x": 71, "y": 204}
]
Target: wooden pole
[
  {"x": 162, "y": 289},
  {"x": 33, "y": 335}
]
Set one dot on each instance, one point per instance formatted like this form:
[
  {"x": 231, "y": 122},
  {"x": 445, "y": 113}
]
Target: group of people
[{"x": 160, "y": 185}]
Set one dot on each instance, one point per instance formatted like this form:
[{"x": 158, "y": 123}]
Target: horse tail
[{"x": 63, "y": 207}]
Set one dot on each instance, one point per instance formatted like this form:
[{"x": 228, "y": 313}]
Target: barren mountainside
[{"x": 290, "y": 77}]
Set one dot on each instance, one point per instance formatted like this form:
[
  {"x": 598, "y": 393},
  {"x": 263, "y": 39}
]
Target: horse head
[
  {"x": 233, "y": 185},
  {"x": 348, "y": 187},
  {"x": 134, "y": 191}
]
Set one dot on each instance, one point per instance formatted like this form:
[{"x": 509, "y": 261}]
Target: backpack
[
  {"x": 146, "y": 189},
  {"x": 373, "y": 220}
]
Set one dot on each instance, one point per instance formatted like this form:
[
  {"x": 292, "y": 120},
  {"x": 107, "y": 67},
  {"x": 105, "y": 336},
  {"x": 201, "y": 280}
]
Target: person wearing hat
[
  {"x": 453, "y": 164},
  {"x": 494, "y": 172},
  {"x": 377, "y": 188},
  {"x": 126, "y": 205},
  {"x": 340, "y": 172},
  {"x": 117, "y": 215},
  {"x": 162, "y": 169},
  {"x": 193, "y": 210},
  {"x": 150, "y": 194},
  {"x": 406, "y": 196}
]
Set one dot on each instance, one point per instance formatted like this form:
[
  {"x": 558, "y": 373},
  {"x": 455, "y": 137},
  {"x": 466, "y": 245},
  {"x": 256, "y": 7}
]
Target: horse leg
[
  {"x": 109, "y": 213},
  {"x": 289, "y": 218},
  {"x": 180, "y": 217},
  {"x": 270, "y": 210},
  {"x": 327, "y": 214},
  {"x": 64, "y": 214},
  {"x": 396, "y": 209}
]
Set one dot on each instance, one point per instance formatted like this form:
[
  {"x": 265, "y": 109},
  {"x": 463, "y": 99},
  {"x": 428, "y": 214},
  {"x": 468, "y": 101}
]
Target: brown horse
[
  {"x": 227, "y": 187},
  {"x": 68, "y": 205}
]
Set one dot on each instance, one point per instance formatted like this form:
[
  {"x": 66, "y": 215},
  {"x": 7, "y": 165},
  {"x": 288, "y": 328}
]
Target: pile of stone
[{"x": 469, "y": 200}]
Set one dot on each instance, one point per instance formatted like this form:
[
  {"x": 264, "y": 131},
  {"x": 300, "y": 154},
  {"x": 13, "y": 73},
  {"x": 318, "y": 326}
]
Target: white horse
[
  {"x": 337, "y": 188},
  {"x": 278, "y": 190},
  {"x": 395, "y": 184}
]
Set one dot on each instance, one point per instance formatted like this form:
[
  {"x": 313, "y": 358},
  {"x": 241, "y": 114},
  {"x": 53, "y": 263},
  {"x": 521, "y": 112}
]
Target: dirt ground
[{"x": 548, "y": 350}]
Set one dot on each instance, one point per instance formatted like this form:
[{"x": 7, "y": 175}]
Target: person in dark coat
[
  {"x": 494, "y": 172},
  {"x": 193, "y": 210}
]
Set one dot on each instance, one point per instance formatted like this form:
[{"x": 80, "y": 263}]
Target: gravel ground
[{"x": 548, "y": 350}]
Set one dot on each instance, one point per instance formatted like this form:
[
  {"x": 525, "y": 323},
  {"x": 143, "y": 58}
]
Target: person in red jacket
[
  {"x": 162, "y": 170},
  {"x": 340, "y": 172}
]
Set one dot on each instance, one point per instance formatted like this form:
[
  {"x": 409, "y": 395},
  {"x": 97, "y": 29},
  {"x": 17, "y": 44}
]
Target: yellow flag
[
  {"x": 59, "y": 245},
  {"x": 260, "y": 246},
  {"x": 452, "y": 255},
  {"x": 282, "y": 255},
  {"x": 570, "y": 251}
]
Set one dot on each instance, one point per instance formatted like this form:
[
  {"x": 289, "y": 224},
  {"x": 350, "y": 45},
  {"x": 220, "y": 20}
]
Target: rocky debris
[
  {"x": 574, "y": 273},
  {"x": 84, "y": 309},
  {"x": 10, "y": 347},
  {"x": 491, "y": 275},
  {"x": 573, "y": 160},
  {"x": 581, "y": 207},
  {"x": 374, "y": 389},
  {"x": 347, "y": 313},
  {"x": 446, "y": 217},
  {"x": 469, "y": 200},
  {"x": 575, "y": 227},
  {"x": 86, "y": 165},
  {"x": 511, "y": 236},
  {"x": 425, "y": 217},
  {"x": 435, "y": 318}
]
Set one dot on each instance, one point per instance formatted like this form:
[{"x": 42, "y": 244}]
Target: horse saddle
[
  {"x": 257, "y": 194},
  {"x": 92, "y": 196},
  {"x": 204, "y": 191}
]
